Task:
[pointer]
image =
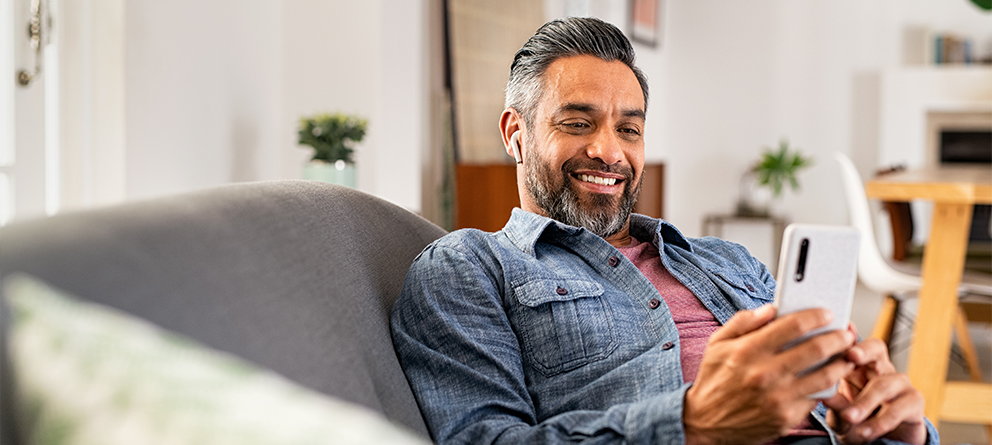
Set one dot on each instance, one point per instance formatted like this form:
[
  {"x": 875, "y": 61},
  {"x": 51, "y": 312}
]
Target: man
[{"x": 579, "y": 322}]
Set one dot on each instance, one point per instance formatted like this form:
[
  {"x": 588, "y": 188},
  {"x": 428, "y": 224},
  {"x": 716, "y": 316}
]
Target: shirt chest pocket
[{"x": 563, "y": 324}]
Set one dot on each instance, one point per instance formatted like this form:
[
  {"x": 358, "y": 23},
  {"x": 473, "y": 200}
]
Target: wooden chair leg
[
  {"x": 967, "y": 347},
  {"x": 885, "y": 322},
  {"x": 969, "y": 353}
]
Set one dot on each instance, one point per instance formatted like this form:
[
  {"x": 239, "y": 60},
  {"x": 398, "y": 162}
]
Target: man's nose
[{"x": 605, "y": 147}]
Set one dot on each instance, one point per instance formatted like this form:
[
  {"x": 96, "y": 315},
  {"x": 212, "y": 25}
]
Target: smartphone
[{"x": 818, "y": 268}]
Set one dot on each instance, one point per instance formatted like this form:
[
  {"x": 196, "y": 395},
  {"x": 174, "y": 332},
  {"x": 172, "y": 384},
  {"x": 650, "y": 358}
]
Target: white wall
[
  {"x": 202, "y": 94},
  {"x": 214, "y": 90}
]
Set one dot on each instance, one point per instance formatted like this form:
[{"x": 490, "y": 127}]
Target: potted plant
[
  {"x": 766, "y": 180},
  {"x": 332, "y": 137}
]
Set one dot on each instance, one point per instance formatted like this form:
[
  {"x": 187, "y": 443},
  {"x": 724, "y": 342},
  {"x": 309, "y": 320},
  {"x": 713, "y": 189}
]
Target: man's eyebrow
[
  {"x": 587, "y": 108},
  {"x": 580, "y": 107},
  {"x": 634, "y": 113}
]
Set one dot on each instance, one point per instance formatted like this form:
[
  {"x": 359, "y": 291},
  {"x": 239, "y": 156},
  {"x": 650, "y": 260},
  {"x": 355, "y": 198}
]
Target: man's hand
[
  {"x": 747, "y": 390},
  {"x": 874, "y": 401}
]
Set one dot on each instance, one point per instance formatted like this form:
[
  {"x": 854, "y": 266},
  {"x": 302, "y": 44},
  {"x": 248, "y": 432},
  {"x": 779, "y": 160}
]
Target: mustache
[{"x": 577, "y": 164}]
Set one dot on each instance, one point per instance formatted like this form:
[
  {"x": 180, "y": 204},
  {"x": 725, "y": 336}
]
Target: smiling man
[{"x": 580, "y": 322}]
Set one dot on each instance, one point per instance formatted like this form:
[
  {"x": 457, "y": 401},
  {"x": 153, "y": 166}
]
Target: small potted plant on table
[
  {"x": 332, "y": 136},
  {"x": 766, "y": 180}
]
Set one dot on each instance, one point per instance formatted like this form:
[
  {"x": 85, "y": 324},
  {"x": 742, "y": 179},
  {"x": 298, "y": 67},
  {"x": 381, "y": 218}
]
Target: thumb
[
  {"x": 744, "y": 322},
  {"x": 837, "y": 403}
]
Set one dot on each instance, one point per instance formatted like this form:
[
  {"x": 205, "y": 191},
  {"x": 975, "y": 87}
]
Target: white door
[{"x": 28, "y": 118}]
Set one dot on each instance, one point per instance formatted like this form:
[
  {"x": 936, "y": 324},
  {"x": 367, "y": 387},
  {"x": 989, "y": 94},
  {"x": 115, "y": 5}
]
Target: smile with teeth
[{"x": 597, "y": 179}]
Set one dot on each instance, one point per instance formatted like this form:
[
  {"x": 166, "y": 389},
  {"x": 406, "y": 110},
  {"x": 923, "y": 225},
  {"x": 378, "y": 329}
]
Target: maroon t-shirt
[{"x": 694, "y": 322}]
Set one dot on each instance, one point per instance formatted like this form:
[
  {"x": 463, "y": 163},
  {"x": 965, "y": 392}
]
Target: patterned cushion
[{"x": 90, "y": 374}]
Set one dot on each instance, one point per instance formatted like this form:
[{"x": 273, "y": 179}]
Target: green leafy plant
[
  {"x": 332, "y": 135},
  {"x": 778, "y": 167}
]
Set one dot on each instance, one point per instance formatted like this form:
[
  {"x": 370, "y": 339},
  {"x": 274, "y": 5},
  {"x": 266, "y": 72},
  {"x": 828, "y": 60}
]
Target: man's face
[{"x": 585, "y": 155}]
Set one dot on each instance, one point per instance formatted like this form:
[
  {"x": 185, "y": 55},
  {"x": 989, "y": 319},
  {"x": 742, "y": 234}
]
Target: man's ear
[{"x": 511, "y": 126}]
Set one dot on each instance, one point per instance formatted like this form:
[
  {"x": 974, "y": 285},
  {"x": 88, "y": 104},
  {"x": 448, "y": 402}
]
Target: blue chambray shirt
[{"x": 543, "y": 333}]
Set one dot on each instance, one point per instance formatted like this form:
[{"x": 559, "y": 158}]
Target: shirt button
[
  {"x": 668, "y": 346},
  {"x": 654, "y": 303},
  {"x": 750, "y": 288},
  {"x": 614, "y": 261},
  {"x": 561, "y": 290}
]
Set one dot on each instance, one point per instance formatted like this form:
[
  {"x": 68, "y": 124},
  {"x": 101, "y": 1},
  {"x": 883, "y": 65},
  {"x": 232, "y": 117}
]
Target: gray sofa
[{"x": 296, "y": 276}]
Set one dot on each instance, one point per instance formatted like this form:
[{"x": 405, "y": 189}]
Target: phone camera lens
[{"x": 801, "y": 266}]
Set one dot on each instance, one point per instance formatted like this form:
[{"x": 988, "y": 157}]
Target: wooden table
[{"x": 954, "y": 190}]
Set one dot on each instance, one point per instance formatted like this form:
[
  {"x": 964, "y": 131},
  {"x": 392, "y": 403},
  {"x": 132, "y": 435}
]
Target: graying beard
[{"x": 563, "y": 204}]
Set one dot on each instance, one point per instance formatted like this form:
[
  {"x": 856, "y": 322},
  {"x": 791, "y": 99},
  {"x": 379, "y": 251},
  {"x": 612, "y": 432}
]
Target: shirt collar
[{"x": 524, "y": 229}]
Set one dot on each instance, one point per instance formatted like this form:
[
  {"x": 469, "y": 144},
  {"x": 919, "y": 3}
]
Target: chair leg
[
  {"x": 967, "y": 347},
  {"x": 886, "y": 320}
]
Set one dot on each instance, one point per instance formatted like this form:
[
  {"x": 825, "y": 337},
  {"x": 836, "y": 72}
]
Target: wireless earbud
[{"x": 515, "y": 146}]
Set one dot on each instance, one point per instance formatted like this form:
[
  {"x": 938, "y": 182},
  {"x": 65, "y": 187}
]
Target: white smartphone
[{"x": 818, "y": 268}]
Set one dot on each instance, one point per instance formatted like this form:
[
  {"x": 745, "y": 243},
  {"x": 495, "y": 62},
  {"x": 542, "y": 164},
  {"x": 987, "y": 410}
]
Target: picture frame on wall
[{"x": 645, "y": 21}]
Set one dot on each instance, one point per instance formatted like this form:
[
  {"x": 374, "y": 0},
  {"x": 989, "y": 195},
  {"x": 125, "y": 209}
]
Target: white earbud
[{"x": 515, "y": 146}]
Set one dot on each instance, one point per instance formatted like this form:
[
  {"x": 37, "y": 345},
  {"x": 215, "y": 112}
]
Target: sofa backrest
[{"x": 296, "y": 276}]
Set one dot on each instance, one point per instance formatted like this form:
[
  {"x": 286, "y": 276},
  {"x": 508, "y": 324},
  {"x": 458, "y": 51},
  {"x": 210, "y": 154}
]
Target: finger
[
  {"x": 816, "y": 350},
  {"x": 904, "y": 410},
  {"x": 877, "y": 392},
  {"x": 823, "y": 378},
  {"x": 834, "y": 420},
  {"x": 744, "y": 322},
  {"x": 791, "y": 327},
  {"x": 856, "y": 380},
  {"x": 852, "y": 383},
  {"x": 872, "y": 352},
  {"x": 837, "y": 403}
]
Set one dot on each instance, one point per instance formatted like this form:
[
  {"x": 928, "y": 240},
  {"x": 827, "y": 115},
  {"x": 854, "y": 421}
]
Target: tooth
[{"x": 598, "y": 180}]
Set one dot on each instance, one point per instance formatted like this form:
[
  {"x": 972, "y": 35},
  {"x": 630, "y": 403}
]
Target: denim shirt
[{"x": 543, "y": 332}]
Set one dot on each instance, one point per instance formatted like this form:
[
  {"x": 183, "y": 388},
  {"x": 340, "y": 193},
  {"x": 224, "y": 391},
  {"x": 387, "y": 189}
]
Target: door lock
[{"x": 35, "y": 35}]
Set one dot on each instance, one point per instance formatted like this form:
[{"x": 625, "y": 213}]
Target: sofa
[{"x": 295, "y": 277}]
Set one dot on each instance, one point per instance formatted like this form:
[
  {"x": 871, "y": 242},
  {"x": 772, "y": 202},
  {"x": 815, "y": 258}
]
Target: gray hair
[{"x": 560, "y": 38}]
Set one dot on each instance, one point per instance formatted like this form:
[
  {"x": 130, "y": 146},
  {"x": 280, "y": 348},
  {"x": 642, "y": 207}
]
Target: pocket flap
[
  {"x": 534, "y": 293},
  {"x": 750, "y": 286}
]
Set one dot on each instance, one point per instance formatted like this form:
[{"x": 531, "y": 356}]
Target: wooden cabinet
[{"x": 486, "y": 194}]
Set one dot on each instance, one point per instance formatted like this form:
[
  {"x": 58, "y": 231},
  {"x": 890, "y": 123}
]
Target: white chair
[{"x": 880, "y": 276}]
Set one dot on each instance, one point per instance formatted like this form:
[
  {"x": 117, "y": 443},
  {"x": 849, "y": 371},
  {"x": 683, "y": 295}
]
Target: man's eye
[
  {"x": 630, "y": 131},
  {"x": 577, "y": 127}
]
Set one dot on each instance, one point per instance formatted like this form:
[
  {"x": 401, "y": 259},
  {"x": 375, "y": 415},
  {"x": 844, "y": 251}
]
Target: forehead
[{"x": 592, "y": 81}]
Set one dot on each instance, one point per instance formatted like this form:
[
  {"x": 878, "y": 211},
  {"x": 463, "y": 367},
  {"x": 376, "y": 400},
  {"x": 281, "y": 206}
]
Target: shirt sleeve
[{"x": 463, "y": 361}]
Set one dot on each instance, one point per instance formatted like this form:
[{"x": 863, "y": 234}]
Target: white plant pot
[
  {"x": 340, "y": 172},
  {"x": 753, "y": 199}
]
